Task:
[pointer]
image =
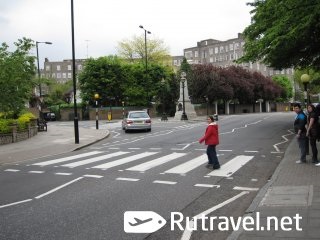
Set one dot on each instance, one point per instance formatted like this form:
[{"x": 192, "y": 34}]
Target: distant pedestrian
[
  {"x": 312, "y": 131},
  {"x": 301, "y": 131},
  {"x": 211, "y": 139}
]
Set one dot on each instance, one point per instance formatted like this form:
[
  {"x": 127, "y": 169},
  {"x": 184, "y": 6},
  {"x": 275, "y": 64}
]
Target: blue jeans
[{"x": 212, "y": 155}]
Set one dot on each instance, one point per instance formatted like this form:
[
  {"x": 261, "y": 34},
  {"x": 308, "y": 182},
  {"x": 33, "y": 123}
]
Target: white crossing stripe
[
  {"x": 128, "y": 179},
  {"x": 95, "y": 159},
  {"x": 63, "y": 173},
  {"x": 207, "y": 185},
  {"x": 93, "y": 176},
  {"x": 190, "y": 165},
  {"x": 12, "y": 170},
  {"x": 245, "y": 189},
  {"x": 165, "y": 182},
  {"x": 36, "y": 171},
  {"x": 124, "y": 160},
  {"x": 232, "y": 166},
  {"x": 59, "y": 160},
  {"x": 156, "y": 162}
]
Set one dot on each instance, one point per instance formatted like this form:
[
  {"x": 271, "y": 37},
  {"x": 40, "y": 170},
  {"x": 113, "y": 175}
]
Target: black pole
[
  {"x": 76, "y": 125},
  {"x": 305, "y": 94},
  {"x": 38, "y": 69},
  {"x": 184, "y": 115}
]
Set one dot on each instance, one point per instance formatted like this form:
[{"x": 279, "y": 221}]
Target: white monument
[{"x": 184, "y": 110}]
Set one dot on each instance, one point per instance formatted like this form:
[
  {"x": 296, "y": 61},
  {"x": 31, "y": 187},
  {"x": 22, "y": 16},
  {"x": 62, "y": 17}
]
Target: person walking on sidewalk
[
  {"x": 301, "y": 131},
  {"x": 312, "y": 131},
  {"x": 211, "y": 139}
]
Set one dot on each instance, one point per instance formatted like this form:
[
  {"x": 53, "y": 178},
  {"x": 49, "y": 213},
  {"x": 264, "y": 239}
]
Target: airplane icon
[
  {"x": 139, "y": 221},
  {"x": 142, "y": 221}
]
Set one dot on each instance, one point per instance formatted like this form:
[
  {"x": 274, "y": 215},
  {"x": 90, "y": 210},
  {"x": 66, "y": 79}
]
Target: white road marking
[
  {"x": 248, "y": 151},
  {"x": 231, "y": 167},
  {"x": 156, "y": 162},
  {"x": 245, "y": 189},
  {"x": 226, "y": 150},
  {"x": 15, "y": 203},
  {"x": 134, "y": 148},
  {"x": 165, "y": 182},
  {"x": 187, "y": 233},
  {"x": 63, "y": 174},
  {"x": 285, "y": 140},
  {"x": 58, "y": 188},
  {"x": 124, "y": 160},
  {"x": 12, "y": 170},
  {"x": 190, "y": 165},
  {"x": 155, "y": 148},
  {"x": 36, "y": 171},
  {"x": 207, "y": 185},
  {"x": 59, "y": 160},
  {"x": 95, "y": 159},
  {"x": 128, "y": 179},
  {"x": 93, "y": 176}
]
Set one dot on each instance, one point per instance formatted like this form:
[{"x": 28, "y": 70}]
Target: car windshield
[{"x": 138, "y": 115}]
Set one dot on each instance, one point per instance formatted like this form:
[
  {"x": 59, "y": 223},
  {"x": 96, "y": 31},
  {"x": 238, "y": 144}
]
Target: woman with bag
[{"x": 211, "y": 139}]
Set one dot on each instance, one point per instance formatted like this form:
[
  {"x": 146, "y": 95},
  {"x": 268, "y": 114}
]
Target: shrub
[
  {"x": 5, "y": 125},
  {"x": 23, "y": 120}
]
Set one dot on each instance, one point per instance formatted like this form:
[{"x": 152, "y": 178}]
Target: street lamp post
[
  {"x": 164, "y": 116},
  {"x": 146, "y": 56},
  {"x": 122, "y": 109},
  {"x": 305, "y": 78},
  {"x": 183, "y": 79},
  {"x": 39, "y": 76},
  {"x": 96, "y": 97},
  {"x": 207, "y": 103},
  {"x": 74, "y": 80}
]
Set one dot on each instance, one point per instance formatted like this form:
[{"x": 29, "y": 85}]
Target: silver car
[{"x": 136, "y": 120}]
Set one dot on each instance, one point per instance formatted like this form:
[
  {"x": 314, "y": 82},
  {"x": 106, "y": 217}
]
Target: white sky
[{"x": 101, "y": 24}]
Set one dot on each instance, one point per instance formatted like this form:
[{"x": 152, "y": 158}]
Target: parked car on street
[
  {"x": 50, "y": 116},
  {"x": 136, "y": 120}
]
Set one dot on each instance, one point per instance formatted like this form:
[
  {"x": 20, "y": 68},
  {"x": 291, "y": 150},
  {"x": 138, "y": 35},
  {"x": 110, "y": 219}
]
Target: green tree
[
  {"x": 286, "y": 87},
  {"x": 17, "y": 71},
  {"x": 116, "y": 81},
  {"x": 57, "y": 93},
  {"x": 284, "y": 33},
  {"x": 134, "y": 49}
]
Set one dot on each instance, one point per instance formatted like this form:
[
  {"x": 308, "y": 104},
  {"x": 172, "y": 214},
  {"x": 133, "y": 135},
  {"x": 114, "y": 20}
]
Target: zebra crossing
[{"x": 134, "y": 161}]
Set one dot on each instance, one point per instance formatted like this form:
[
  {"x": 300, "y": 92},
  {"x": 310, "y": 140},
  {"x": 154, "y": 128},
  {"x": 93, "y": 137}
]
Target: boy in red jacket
[{"x": 211, "y": 138}]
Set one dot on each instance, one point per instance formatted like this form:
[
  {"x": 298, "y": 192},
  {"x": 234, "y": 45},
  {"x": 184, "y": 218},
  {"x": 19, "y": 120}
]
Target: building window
[
  {"x": 231, "y": 56},
  {"x": 216, "y": 50},
  {"x": 188, "y": 54},
  {"x": 53, "y": 75},
  {"x": 58, "y": 75},
  {"x": 48, "y": 68},
  {"x": 80, "y": 67},
  {"x": 69, "y": 68},
  {"x": 211, "y": 59},
  {"x": 58, "y": 68},
  {"x": 227, "y": 48},
  {"x": 231, "y": 46},
  {"x": 196, "y": 54},
  {"x": 64, "y": 75},
  {"x": 221, "y": 49},
  {"x": 69, "y": 75},
  {"x": 210, "y": 51},
  {"x": 203, "y": 54}
]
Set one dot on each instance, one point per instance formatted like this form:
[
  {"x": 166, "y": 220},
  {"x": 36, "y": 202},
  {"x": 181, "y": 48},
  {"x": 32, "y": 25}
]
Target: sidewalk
[
  {"x": 293, "y": 189},
  {"x": 58, "y": 139}
]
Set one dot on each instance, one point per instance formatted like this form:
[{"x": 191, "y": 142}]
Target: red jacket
[{"x": 211, "y": 136}]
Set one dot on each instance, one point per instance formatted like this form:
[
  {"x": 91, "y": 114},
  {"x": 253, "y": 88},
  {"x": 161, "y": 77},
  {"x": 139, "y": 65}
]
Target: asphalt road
[{"x": 84, "y": 194}]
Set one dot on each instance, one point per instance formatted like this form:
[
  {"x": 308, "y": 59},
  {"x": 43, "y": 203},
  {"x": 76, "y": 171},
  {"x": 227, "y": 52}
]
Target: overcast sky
[{"x": 101, "y": 24}]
